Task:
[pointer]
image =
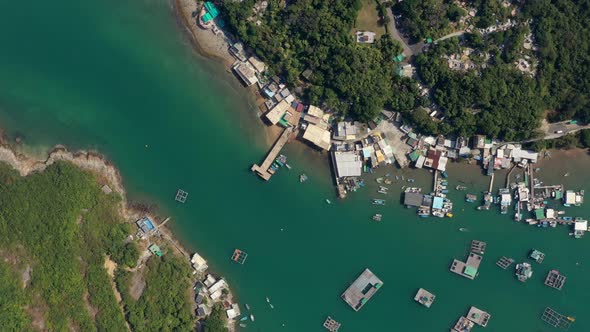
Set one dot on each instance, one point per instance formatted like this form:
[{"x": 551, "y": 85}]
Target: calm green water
[{"x": 118, "y": 75}]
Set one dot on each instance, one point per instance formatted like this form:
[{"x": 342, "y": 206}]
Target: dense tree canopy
[
  {"x": 562, "y": 30},
  {"x": 351, "y": 78},
  {"x": 422, "y": 19},
  {"x": 497, "y": 100}
]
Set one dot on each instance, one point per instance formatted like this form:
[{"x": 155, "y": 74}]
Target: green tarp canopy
[
  {"x": 540, "y": 213},
  {"x": 429, "y": 40},
  {"x": 470, "y": 271}
]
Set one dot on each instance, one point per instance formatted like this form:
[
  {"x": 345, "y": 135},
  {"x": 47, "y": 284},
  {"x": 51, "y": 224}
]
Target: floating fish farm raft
[
  {"x": 505, "y": 262},
  {"x": 556, "y": 319},
  {"x": 181, "y": 196},
  {"x": 555, "y": 279},
  {"x": 362, "y": 289}
]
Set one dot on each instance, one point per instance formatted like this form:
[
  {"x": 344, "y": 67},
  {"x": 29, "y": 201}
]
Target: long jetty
[{"x": 262, "y": 170}]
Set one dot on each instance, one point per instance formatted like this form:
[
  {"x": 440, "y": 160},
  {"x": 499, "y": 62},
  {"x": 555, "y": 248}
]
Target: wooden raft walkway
[{"x": 262, "y": 170}]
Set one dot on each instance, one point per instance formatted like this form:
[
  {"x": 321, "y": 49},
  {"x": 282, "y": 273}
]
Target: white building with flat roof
[
  {"x": 347, "y": 163},
  {"x": 199, "y": 263},
  {"x": 318, "y": 136}
]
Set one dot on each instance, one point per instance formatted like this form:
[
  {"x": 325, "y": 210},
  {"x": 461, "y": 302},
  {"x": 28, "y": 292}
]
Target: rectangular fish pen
[{"x": 556, "y": 319}]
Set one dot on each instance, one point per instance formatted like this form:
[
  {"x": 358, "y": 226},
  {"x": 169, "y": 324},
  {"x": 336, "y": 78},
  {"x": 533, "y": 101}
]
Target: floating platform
[
  {"x": 478, "y": 316},
  {"x": 463, "y": 325},
  {"x": 505, "y": 262},
  {"x": 239, "y": 256},
  {"x": 537, "y": 256},
  {"x": 555, "y": 279},
  {"x": 424, "y": 297},
  {"x": 331, "y": 325},
  {"x": 181, "y": 196},
  {"x": 556, "y": 319},
  {"x": 467, "y": 269},
  {"x": 478, "y": 247},
  {"x": 362, "y": 289}
]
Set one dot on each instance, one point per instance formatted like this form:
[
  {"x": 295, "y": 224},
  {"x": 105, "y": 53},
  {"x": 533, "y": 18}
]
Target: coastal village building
[
  {"x": 233, "y": 312},
  {"x": 275, "y": 114},
  {"x": 237, "y": 50},
  {"x": 318, "y": 136},
  {"x": 199, "y": 263},
  {"x": 347, "y": 163},
  {"x": 258, "y": 65},
  {"x": 246, "y": 72},
  {"x": 146, "y": 225}
]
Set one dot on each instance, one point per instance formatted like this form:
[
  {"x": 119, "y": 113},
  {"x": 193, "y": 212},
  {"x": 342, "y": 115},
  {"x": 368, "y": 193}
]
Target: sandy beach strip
[{"x": 206, "y": 42}]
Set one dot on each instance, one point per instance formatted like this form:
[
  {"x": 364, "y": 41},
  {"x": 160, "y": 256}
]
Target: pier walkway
[{"x": 262, "y": 170}]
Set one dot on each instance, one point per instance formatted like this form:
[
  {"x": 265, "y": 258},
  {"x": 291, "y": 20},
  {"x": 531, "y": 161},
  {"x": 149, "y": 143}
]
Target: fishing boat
[
  {"x": 243, "y": 325},
  {"x": 377, "y": 201},
  {"x": 247, "y": 307},
  {"x": 379, "y": 180},
  {"x": 470, "y": 198},
  {"x": 288, "y": 166},
  {"x": 383, "y": 188},
  {"x": 411, "y": 180},
  {"x": 243, "y": 319},
  {"x": 302, "y": 178},
  {"x": 460, "y": 187},
  {"x": 566, "y": 174},
  {"x": 251, "y": 317},
  {"x": 328, "y": 201},
  {"x": 377, "y": 217},
  {"x": 463, "y": 229},
  {"x": 387, "y": 181},
  {"x": 271, "y": 306},
  {"x": 382, "y": 191},
  {"x": 267, "y": 299}
]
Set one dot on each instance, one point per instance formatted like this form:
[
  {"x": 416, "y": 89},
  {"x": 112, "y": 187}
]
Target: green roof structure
[
  {"x": 539, "y": 214},
  {"x": 399, "y": 58},
  {"x": 428, "y": 40},
  {"x": 470, "y": 271},
  {"x": 154, "y": 249}
]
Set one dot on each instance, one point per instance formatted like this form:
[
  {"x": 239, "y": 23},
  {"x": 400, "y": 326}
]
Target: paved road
[
  {"x": 391, "y": 28},
  {"x": 559, "y": 129},
  {"x": 451, "y": 35},
  {"x": 411, "y": 49}
]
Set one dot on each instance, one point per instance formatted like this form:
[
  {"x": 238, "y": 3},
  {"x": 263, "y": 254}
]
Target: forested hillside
[{"x": 311, "y": 34}]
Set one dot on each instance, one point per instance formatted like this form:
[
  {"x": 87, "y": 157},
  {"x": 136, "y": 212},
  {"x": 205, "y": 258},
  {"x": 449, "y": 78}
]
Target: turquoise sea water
[{"x": 119, "y": 75}]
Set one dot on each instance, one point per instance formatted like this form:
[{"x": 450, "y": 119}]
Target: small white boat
[
  {"x": 247, "y": 306},
  {"x": 267, "y": 299},
  {"x": 271, "y": 306},
  {"x": 328, "y": 201},
  {"x": 251, "y": 317},
  {"x": 463, "y": 229}
]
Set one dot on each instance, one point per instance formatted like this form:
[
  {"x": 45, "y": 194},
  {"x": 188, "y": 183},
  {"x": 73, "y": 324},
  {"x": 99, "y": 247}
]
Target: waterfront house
[
  {"x": 318, "y": 136},
  {"x": 258, "y": 65},
  {"x": 210, "y": 280},
  {"x": 199, "y": 263},
  {"x": 237, "y": 50},
  {"x": 275, "y": 114},
  {"x": 271, "y": 89},
  {"x": 246, "y": 72},
  {"x": 219, "y": 285},
  {"x": 146, "y": 225},
  {"x": 347, "y": 163},
  {"x": 199, "y": 299},
  {"x": 233, "y": 312},
  {"x": 479, "y": 141}
]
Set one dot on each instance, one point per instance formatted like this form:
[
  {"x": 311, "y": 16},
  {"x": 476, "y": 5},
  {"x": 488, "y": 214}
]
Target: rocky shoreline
[{"x": 107, "y": 175}]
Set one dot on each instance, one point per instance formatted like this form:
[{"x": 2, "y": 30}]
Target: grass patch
[{"x": 368, "y": 19}]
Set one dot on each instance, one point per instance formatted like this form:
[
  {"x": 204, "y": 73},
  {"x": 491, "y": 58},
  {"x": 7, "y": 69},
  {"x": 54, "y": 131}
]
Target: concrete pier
[{"x": 262, "y": 170}]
